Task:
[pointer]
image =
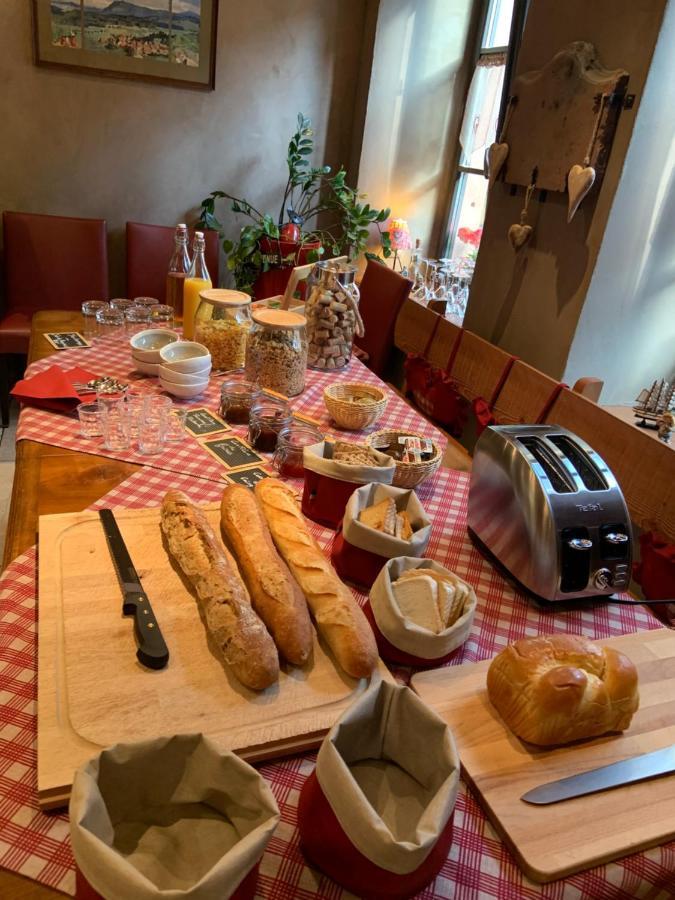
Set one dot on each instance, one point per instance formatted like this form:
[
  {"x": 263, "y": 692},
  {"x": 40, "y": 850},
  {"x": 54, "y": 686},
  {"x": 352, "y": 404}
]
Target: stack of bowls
[
  {"x": 145, "y": 348},
  {"x": 184, "y": 369}
]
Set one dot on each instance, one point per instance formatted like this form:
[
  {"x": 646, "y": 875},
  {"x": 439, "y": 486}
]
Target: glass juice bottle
[
  {"x": 178, "y": 271},
  {"x": 198, "y": 279}
]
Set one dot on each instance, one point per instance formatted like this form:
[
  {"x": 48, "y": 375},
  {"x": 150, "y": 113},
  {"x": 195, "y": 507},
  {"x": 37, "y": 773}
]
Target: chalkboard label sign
[
  {"x": 232, "y": 452},
  {"x": 66, "y": 340},
  {"x": 248, "y": 477},
  {"x": 203, "y": 421}
]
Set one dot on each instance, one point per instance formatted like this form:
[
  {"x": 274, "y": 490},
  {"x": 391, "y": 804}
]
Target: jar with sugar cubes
[
  {"x": 333, "y": 318},
  {"x": 222, "y": 323}
]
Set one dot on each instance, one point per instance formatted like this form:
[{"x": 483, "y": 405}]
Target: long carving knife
[
  {"x": 618, "y": 774},
  {"x": 152, "y": 650}
]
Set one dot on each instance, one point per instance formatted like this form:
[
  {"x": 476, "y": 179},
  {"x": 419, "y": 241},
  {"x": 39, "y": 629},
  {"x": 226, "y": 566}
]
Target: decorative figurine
[{"x": 652, "y": 403}]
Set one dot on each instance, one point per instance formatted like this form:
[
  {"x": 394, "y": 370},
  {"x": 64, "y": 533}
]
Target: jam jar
[
  {"x": 288, "y": 457},
  {"x": 222, "y": 323},
  {"x": 268, "y": 416},
  {"x": 236, "y": 399},
  {"x": 276, "y": 352}
]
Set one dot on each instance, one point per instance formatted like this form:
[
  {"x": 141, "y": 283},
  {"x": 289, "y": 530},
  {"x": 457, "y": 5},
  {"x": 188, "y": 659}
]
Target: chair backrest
[
  {"x": 525, "y": 395},
  {"x": 643, "y": 465},
  {"x": 479, "y": 367},
  {"x": 383, "y": 293},
  {"x": 149, "y": 250},
  {"x": 53, "y": 262},
  {"x": 589, "y": 387}
]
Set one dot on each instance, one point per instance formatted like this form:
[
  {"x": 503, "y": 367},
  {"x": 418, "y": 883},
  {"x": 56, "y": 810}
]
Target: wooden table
[{"x": 50, "y": 479}]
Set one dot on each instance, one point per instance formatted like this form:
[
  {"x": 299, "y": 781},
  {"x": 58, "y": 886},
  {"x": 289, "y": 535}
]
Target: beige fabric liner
[
  {"x": 170, "y": 818},
  {"x": 366, "y": 538},
  {"x": 390, "y": 771},
  {"x": 405, "y": 634},
  {"x": 315, "y": 461}
]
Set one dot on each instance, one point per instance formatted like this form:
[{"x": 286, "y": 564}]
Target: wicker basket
[
  {"x": 354, "y": 416},
  {"x": 407, "y": 474}
]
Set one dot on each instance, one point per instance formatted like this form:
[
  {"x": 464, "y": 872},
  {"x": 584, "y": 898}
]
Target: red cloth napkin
[{"x": 53, "y": 389}]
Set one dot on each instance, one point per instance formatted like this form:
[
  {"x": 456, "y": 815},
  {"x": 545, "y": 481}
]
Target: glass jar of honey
[
  {"x": 268, "y": 417},
  {"x": 237, "y": 396}
]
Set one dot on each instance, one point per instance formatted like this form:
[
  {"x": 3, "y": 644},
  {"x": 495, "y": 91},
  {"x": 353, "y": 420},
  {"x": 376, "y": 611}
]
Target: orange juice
[{"x": 190, "y": 303}]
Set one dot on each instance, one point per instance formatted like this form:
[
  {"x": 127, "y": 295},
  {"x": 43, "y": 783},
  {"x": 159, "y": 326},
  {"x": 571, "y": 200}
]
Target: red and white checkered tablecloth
[
  {"x": 113, "y": 358},
  {"x": 479, "y": 865}
]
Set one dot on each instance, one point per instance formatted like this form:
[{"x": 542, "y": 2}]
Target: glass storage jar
[
  {"x": 333, "y": 318},
  {"x": 276, "y": 352},
  {"x": 236, "y": 399},
  {"x": 288, "y": 456},
  {"x": 222, "y": 323},
  {"x": 268, "y": 416}
]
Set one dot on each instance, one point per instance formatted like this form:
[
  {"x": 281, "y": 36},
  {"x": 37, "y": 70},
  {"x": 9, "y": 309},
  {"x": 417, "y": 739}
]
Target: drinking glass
[
  {"x": 116, "y": 433},
  {"x": 151, "y": 433},
  {"x": 157, "y": 404},
  {"x": 146, "y": 301},
  {"x": 89, "y": 310},
  {"x": 161, "y": 316},
  {"x": 110, "y": 324},
  {"x": 137, "y": 319},
  {"x": 89, "y": 415},
  {"x": 121, "y": 303},
  {"x": 175, "y": 425},
  {"x": 135, "y": 401},
  {"x": 109, "y": 400}
]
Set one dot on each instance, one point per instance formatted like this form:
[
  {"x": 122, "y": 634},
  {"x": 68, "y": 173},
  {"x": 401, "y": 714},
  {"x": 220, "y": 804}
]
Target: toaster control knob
[
  {"x": 580, "y": 543},
  {"x": 602, "y": 579},
  {"x": 616, "y": 537}
]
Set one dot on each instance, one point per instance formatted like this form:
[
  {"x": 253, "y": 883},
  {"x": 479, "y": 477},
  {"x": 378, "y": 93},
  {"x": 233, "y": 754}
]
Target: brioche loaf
[
  {"x": 242, "y": 638},
  {"x": 557, "y": 689},
  {"x": 275, "y": 594},
  {"x": 338, "y": 616}
]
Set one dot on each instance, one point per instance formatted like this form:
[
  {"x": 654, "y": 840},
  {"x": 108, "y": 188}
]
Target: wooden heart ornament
[
  {"x": 496, "y": 157},
  {"x": 519, "y": 235},
  {"x": 580, "y": 180}
]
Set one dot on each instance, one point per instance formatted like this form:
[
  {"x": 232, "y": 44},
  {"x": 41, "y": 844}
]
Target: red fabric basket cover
[
  {"x": 324, "y": 498},
  {"x": 245, "y": 891},
  {"x": 354, "y": 564},
  {"x": 389, "y": 653},
  {"x": 327, "y": 847},
  {"x": 655, "y": 573}
]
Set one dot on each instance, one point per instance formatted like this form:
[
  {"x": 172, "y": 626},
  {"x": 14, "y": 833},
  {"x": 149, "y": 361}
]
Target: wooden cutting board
[
  {"x": 92, "y": 692},
  {"x": 550, "y": 842}
]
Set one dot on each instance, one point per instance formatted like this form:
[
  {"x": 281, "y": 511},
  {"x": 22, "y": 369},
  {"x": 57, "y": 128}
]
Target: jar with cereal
[
  {"x": 333, "y": 318},
  {"x": 222, "y": 323},
  {"x": 276, "y": 352}
]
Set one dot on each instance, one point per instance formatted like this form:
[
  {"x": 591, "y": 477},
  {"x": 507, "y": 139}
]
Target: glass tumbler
[
  {"x": 121, "y": 303},
  {"x": 89, "y": 415},
  {"x": 175, "y": 425},
  {"x": 137, "y": 319},
  {"x": 146, "y": 301},
  {"x": 89, "y": 310},
  {"x": 161, "y": 316},
  {"x": 110, "y": 323},
  {"x": 116, "y": 432},
  {"x": 135, "y": 401},
  {"x": 151, "y": 433}
]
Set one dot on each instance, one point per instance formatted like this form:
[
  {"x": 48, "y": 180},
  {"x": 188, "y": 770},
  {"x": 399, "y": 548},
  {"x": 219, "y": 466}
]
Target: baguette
[
  {"x": 338, "y": 616},
  {"x": 242, "y": 638},
  {"x": 275, "y": 594}
]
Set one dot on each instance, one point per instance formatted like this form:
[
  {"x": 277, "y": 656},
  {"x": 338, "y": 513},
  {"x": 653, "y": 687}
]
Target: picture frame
[{"x": 170, "y": 42}]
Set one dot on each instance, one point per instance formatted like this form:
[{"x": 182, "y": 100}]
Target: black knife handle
[{"x": 152, "y": 650}]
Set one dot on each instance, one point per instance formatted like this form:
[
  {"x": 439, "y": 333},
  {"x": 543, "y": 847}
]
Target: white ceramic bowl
[
  {"x": 186, "y": 357},
  {"x": 170, "y": 375},
  {"x": 184, "y": 391},
  {"x": 145, "y": 345},
  {"x": 145, "y": 367}
]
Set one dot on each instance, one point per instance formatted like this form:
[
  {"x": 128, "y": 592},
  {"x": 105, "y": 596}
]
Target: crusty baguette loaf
[
  {"x": 275, "y": 594},
  {"x": 338, "y": 616},
  {"x": 561, "y": 688},
  {"x": 241, "y": 636}
]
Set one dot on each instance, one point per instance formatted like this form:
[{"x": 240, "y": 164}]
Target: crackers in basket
[
  {"x": 384, "y": 517},
  {"x": 355, "y": 454},
  {"x": 430, "y": 599}
]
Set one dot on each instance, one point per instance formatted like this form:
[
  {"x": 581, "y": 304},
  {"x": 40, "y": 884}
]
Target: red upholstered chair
[
  {"x": 149, "y": 249},
  {"x": 51, "y": 262},
  {"x": 383, "y": 293}
]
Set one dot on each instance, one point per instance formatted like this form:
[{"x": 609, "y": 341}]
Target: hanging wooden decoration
[
  {"x": 498, "y": 152},
  {"x": 580, "y": 179},
  {"x": 520, "y": 233}
]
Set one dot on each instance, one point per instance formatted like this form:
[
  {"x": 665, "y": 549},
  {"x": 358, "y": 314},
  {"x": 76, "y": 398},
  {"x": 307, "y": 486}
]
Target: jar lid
[
  {"x": 279, "y": 318},
  {"x": 225, "y": 298}
]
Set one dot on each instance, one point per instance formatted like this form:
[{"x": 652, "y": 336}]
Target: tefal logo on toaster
[{"x": 589, "y": 507}]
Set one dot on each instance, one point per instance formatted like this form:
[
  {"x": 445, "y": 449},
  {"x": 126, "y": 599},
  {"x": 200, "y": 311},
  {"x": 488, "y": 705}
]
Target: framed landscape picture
[{"x": 170, "y": 41}]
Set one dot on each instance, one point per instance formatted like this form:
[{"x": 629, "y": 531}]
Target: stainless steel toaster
[{"x": 548, "y": 509}]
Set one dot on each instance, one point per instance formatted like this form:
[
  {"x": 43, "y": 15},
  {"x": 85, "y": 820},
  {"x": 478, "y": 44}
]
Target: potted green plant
[{"x": 268, "y": 248}]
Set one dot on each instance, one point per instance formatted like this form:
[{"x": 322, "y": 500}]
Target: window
[{"x": 479, "y": 130}]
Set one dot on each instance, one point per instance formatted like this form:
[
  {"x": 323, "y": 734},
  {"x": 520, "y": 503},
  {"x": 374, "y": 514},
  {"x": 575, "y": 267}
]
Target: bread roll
[
  {"x": 241, "y": 636},
  {"x": 275, "y": 594},
  {"x": 557, "y": 689},
  {"x": 338, "y": 616}
]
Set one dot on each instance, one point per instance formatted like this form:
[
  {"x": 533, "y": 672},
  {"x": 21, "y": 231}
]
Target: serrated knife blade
[{"x": 618, "y": 774}]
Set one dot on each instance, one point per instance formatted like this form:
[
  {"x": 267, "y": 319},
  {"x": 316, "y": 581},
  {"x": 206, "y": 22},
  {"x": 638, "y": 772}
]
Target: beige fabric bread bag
[{"x": 172, "y": 818}]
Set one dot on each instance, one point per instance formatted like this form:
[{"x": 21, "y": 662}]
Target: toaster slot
[
  {"x": 575, "y": 559},
  {"x": 585, "y": 467},
  {"x": 614, "y": 541},
  {"x": 559, "y": 479}
]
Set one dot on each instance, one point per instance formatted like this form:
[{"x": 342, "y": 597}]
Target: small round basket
[
  {"x": 351, "y": 415},
  {"x": 408, "y": 474}
]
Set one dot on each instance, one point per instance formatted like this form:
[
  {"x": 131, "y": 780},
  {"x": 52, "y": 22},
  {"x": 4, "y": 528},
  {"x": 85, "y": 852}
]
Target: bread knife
[
  {"x": 152, "y": 650},
  {"x": 618, "y": 774}
]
